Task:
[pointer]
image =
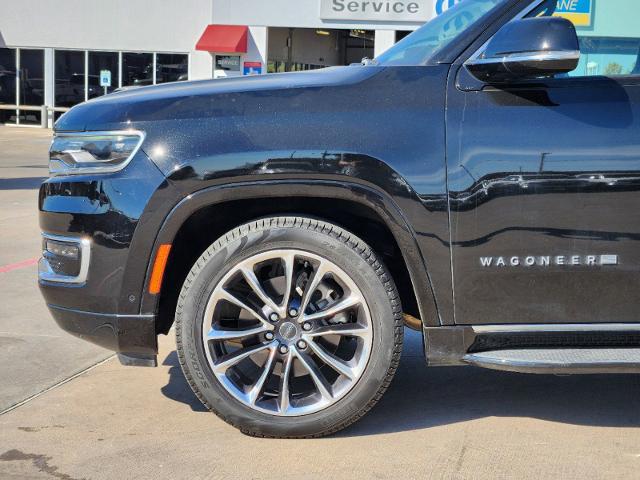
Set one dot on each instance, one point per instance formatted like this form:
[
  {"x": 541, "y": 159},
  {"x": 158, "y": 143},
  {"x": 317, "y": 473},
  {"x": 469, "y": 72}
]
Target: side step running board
[{"x": 559, "y": 361}]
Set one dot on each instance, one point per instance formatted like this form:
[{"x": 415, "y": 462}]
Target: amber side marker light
[{"x": 158, "y": 268}]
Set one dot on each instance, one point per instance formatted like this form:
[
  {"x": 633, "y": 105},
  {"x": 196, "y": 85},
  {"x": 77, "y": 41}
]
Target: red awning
[{"x": 224, "y": 39}]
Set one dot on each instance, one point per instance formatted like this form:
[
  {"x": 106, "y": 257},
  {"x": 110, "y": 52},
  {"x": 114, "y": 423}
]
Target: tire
[{"x": 345, "y": 361}]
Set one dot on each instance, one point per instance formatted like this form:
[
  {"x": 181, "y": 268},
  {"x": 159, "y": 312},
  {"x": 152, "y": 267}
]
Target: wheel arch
[{"x": 362, "y": 209}]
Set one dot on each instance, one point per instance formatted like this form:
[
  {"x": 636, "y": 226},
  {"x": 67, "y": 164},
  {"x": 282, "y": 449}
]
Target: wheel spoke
[
  {"x": 311, "y": 287},
  {"x": 228, "y": 296},
  {"x": 343, "y": 304},
  {"x": 254, "y": 283},
  {"x": 228, "y": 361},
  {"x": 289, "y": 263},
  {"x": 316, "y": 375},
  {"x": 256, "y": 390},
  {"x": 334, "y": 362},
  {"x": 223, "y": 335},
  {"x": 284, "y": 384},
  {"x": 346, "y": 329}
]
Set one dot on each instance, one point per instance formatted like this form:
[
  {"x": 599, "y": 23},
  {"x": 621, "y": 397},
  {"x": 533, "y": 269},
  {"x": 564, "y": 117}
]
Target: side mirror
[{"x": 528, "y": 48}]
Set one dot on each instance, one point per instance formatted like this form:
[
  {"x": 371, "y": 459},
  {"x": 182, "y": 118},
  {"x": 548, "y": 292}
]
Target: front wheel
[{"x": 289, "y": 327}]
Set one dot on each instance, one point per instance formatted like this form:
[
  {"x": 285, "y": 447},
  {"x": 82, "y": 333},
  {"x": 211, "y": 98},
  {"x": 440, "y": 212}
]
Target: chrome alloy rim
[{"x": 287, "y": 332}]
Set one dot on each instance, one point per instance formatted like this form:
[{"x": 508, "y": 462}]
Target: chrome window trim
[
  {"x": 109, "y": 169},
  {"x": 561, "y": 327},
  {"x": 46, "y": 274}
]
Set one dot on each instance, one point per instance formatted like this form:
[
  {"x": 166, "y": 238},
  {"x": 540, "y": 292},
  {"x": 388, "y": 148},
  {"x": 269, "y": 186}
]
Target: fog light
[
  {"x": 61, "y": 249},
  {"x": 64, "y": 259}
]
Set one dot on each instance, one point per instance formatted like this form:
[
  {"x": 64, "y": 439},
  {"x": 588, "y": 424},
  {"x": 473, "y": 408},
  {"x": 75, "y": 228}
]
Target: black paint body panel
[
  {"x": 456, "y": 170},
  {"x": 545, "y": 169},
  {"x": 369, "y": 135}
]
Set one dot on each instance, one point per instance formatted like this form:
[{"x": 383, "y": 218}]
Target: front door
[{"x": 544, "y": 185}]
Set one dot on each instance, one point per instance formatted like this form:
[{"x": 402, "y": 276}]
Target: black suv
[{"x": 477, "y": 182}]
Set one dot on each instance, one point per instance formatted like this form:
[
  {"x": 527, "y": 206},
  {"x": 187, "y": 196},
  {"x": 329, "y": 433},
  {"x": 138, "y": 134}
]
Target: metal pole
[
  {"x": 44, "y": 116},
  {"x": 18, "y": 79}
]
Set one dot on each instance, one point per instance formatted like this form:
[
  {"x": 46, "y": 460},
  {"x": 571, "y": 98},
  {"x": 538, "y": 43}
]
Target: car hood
[{"x": 181, "y": 100}]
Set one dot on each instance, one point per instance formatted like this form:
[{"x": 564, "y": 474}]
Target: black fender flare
[{"x": 366, "y": 195}]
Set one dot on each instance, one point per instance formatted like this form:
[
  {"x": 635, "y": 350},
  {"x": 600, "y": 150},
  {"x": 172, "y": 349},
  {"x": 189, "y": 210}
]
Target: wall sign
[
  {"x": 376, "y": 10},
  {"x": 229, "y": 63},
  {"x": 252, "y": 68},
  {"x": 105, "y": 78},
  {"x": 578, "y": 11}
]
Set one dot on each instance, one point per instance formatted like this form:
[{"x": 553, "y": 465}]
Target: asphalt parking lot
[{"x": 71, "y": 411}]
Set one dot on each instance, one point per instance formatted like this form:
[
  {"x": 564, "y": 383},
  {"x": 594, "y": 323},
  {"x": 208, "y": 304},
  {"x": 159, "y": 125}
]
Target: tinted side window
[{"x": 609, "y": 34}]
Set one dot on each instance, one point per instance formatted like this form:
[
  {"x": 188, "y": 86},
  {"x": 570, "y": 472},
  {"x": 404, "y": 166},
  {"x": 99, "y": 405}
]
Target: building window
[
  {"x": 74, "y": 84},
  {"x": 171, "y": 67},
  {"x": 274, "y": 66},
  {"x": 31, "y": 89},
  {"x": 31, "y": 77},
  {"x": 611, "y": 57},
  {"x": 400, "y": 34},
  {"x": 99, "y": 61},
  {"x": 69, "y": 75},
  {"x": 7, "y": 84},
  {"x": 8, "y": 76},
  {"x": 21, "y": 85},
  {"x": 137, "y": 69}
]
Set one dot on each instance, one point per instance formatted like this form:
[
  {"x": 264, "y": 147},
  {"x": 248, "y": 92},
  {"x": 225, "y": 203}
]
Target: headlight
[{"x": 93, "y": 152}]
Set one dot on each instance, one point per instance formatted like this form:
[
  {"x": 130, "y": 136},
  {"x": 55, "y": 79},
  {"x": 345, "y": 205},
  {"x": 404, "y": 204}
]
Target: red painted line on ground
[{"x": 18, "y": 265}]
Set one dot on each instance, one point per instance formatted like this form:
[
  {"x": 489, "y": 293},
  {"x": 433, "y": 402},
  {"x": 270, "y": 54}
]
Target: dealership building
[{"x": 54, "y": 55}]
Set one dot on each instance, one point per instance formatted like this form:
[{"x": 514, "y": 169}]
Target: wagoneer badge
[{"x": 547, "y": 260}]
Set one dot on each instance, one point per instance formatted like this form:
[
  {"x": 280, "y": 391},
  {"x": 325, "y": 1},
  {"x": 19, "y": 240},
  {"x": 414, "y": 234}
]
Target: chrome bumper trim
[{"x": 46, "y": 273}]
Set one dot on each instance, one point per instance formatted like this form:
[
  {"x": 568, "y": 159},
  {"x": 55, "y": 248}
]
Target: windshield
[{"x": 417, "y": 48}]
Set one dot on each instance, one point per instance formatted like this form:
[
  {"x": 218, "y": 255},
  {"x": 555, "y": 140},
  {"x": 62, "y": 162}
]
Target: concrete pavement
[
  {"x": 34, "y": 353},
  {"x": 441, "y": 423}
]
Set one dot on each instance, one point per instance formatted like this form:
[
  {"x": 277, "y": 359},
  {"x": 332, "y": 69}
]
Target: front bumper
[
  {"x": 112, "y": 220},
  {"x": 132, "y": 335}
]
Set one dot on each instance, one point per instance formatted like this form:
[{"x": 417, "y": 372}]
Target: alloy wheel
[{"x": 287, "y": 332}]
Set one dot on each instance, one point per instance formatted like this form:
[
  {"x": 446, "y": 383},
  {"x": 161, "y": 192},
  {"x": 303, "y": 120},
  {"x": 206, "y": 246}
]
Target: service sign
[
  {"x": 377, "y": 10},
  {"x": 578, "y": 11},
  {"x": 230, "y": 63}
]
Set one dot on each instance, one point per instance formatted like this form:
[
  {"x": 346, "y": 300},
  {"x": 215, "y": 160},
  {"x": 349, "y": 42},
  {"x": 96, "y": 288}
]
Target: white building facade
[{"x": 54, "y": 55}]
